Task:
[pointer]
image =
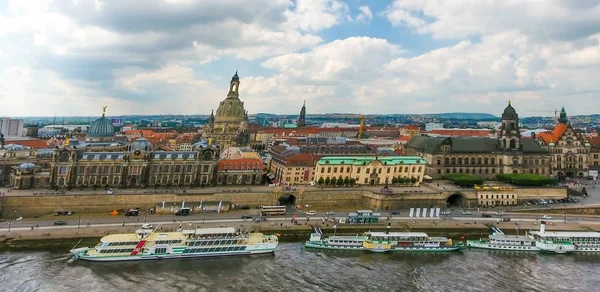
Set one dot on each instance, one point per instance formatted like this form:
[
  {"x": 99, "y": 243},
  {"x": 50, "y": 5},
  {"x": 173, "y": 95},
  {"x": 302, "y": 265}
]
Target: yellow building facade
[{"x": 370, "y": 170}]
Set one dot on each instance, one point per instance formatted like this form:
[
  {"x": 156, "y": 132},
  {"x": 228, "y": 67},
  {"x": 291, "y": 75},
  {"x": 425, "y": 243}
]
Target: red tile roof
[
  {"x": 137, "y": 132},
  {"x": 595, "y": 142},
  {"x": 33, "y": 143},
  {"x": 241, "y": 164},
  {"x": 555, "y": 135},
  {"x": 403, "y": 138}
]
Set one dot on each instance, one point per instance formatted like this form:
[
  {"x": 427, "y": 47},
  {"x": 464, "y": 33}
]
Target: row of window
[
  {"x": 368, "y": 170},
  {"x": 243, "y": 166},
  {"x": 123, "y": 243},
  {"x": 99, "y": 169},
  {"x": 122, "y": 250},
  {"x": 498, "y": 196},
  {"x": 103, "y": 180},
  {"x": 176, "y": 168},
  {"x": 473, "y": 161},
  {"x": 167, "y": 242},
  {"x": 214, "y": 242},
  {"x": 217, "y": 249}
]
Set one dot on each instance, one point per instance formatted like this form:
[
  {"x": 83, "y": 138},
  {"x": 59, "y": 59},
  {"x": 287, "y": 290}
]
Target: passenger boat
[
  {"x": 566, "y": 241},
  {"x": 500, "y": 241},
  {"x": 382, "y": 242},
  {"x": 149, "y": 244}
]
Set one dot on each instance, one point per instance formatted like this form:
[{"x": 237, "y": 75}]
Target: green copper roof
[{"x": 364, "y": 160}]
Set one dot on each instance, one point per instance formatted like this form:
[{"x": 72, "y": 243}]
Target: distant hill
[{"x": 463, "y": 116}]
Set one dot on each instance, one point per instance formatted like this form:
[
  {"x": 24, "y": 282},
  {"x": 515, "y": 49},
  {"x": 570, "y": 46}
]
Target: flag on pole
[
  {"x": 201, "y": 203},
  {"x": 335, "y": 226},
  {"x": 182, "y": 204},
  {"x": 219, "y": 207},
  {"x": 163, "y": 204}
]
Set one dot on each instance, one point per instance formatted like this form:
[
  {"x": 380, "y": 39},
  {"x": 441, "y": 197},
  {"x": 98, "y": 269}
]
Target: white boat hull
[
  {"x": 555, "y": 248},
  {"x": 473, "y": 244},
  {"x": 78, "y": 254}
]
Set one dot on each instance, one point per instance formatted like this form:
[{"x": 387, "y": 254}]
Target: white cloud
[
  {"x": 462, "y": 18},
  {"x": 315, "y": 15},
  {"x": 365, "y": 15}
]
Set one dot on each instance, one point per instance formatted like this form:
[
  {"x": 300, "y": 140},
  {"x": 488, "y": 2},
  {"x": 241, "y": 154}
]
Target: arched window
[
  {"x": 479, "y": 161},
  {"x": 446, "y": 160},
  {"x": 453, "y": 160},
  {"x": 493, "y": 160},
  {"x": 485, "y": 161},
  {"x": 473, "y": 160},
  {"x": 460, "y": 160}
]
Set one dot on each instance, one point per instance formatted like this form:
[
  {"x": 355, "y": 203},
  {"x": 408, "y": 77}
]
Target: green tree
[
  {"x": 394, "y": 180},
  {"x": 321, "y": 181},
  {"x": 340, "y": 181},
  {"x": 327, "y": 181},
  {"x": 346, "y": 181},
  {"x": 352, "y": 181},
  {"x": 413, "y": 180},
  {"x": 333, "y": 181}
]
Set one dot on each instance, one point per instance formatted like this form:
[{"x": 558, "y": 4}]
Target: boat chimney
[{"x": 542, "y": 227}]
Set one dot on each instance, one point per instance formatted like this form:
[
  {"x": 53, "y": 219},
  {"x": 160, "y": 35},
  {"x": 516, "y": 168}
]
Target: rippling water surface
[{"x": 295, "y": 269}]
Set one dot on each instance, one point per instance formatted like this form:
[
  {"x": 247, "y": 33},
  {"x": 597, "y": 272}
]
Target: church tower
[
  {"x": 302, "y": 118},
  {"x": 510, "y": 133}
]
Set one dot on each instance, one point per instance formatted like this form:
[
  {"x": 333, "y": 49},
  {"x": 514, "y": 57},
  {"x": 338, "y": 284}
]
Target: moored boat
[
  {"x": 566, "y": 241},
  {"x": 148, "y": 244},
  {"x": 382, "y": 242},
  {"x": 500, "y": 241}
]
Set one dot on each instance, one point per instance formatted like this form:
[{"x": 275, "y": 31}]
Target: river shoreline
[{"x": 66, "y": 238}]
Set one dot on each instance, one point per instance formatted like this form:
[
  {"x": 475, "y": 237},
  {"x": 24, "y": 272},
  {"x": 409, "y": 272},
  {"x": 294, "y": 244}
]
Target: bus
[{"x": 272, "y": 210}]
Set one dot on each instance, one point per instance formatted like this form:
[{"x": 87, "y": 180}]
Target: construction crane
[
  {"x": 361, "y": 128},
  {"x": 555, "y": 112}
]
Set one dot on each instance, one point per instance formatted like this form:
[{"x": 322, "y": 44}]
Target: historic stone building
[
  {"x": 370, "y": 170},
  {"x": 483, "y": 156},
  {"x": 135, "y": 165},
  {"x": 229, "y": 127},
  {"x": 242, "y": 171},
  {"x": 570, "y": 150}
]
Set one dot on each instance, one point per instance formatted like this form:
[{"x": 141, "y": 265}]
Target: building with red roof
[{"x": 244, "y": 171}]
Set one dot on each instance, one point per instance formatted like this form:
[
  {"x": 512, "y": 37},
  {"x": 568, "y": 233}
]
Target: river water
[{"x": 295, "y": 269}]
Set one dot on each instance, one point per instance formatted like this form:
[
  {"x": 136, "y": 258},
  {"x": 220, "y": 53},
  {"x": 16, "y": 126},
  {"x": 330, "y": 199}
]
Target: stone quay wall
[{"x": 32, "y": 206}]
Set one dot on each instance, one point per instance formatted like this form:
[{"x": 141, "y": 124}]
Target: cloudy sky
[{"x": 405, "y": 56}]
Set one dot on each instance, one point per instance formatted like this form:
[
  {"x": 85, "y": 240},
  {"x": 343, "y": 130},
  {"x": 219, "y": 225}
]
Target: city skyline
[{"x": 383, "y": 57}]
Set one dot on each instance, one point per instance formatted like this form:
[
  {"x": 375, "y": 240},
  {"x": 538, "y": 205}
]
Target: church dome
[
  {"x": 509, "y": 112},
  {"x": 141, "y": 144},
  {"x": 100, "y": 128},
  {"x": 235, "y": 77}
]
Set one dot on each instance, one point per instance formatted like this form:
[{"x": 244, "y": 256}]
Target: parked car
[
  {"x": 485, "y": 215},
  {"x": 546, "y": 217},
  {"x": 59, "y": 223},
  {"x": 499, "y": 213},
  {"x": 247, "y": 217},
  {"x": 445, "y": 212},
  {"x": 395, "y": 213},
  {"x": 147, "y": 226},
  {"x": 467, "y": 213},
  {"x": 330, "y": 213},
  {"x": 311, "y": 213}
]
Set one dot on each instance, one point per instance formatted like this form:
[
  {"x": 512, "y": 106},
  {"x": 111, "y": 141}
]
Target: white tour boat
[
  {"x": 500, "y": 241},
  {"x": 382, "y": 242},
  {"x": 149, "y": 244},
  {"x": 566, "y": 241}
]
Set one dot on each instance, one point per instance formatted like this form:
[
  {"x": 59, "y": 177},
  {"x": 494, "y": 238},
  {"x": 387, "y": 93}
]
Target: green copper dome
[
  {"x": 509, "y": 112},
  {"x": 101, "y": 127}
]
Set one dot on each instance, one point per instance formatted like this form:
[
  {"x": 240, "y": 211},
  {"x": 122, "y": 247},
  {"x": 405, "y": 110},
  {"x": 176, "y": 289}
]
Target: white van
[{"x": 311, "y": 213}]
